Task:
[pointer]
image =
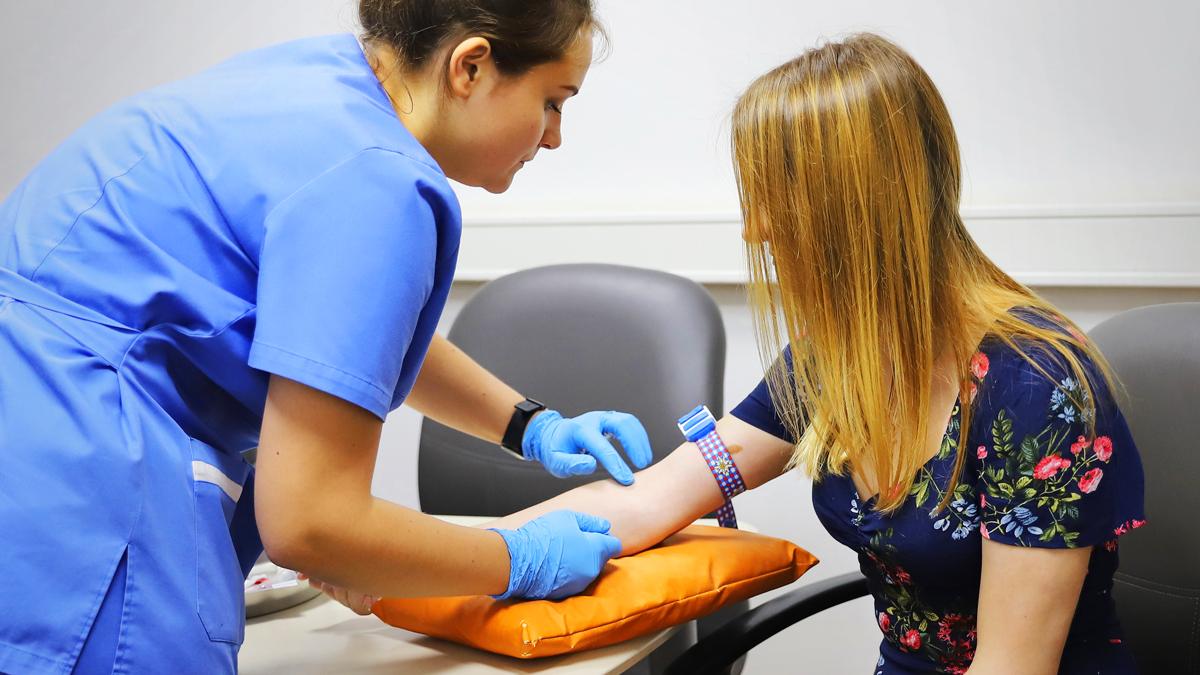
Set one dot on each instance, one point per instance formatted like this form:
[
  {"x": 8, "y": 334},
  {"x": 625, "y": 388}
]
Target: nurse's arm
[
  {"x": 316, "y": 514},
  {"x": 672, "y": 493},
  {"x": 1027, "y": 599},
  {"x": 456, "y": 391}
]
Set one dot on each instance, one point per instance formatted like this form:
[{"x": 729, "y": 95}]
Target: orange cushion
[{"x": 693, "y": 573}]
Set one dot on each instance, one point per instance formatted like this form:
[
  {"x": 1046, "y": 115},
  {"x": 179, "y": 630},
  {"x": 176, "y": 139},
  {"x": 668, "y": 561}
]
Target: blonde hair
[{"x": 848, "y": 173}]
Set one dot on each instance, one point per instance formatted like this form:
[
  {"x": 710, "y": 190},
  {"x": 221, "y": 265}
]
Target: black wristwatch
[{"x": 515, "y": 433}]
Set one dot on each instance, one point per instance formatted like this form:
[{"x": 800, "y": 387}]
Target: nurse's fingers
[
  {"x": 362, "y": 604},
  {"x": 356, "y": 602},
  {"x": 337, "y": 593},
  {"x": 633, "y": 437},
  {"x": 596, "y": 444}
]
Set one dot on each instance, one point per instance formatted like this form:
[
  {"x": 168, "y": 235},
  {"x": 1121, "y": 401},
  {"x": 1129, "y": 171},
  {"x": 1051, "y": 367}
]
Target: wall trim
[
  {"x": 971, "y": 213},
  {"x": 1118, "y": 245}
]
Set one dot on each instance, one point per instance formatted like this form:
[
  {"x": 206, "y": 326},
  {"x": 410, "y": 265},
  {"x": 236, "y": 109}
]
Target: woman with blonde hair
[{"x": 961, "y": 433}]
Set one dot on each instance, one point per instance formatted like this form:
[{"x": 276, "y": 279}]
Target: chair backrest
[
  {"x": 1155, "y": 352},
  {"x": 579, "y": 338}
]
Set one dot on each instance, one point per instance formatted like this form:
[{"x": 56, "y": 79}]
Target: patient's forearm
[
  {"x": 662, "y": 500},
  {"x": 671, "y": 494}
]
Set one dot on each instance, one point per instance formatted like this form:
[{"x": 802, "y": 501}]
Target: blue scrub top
[
  {"x": 271, "y": 212},
  {"x": 268, "y": 215}
]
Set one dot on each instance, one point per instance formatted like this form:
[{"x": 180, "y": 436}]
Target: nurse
[{"x": 258, "y": 256}]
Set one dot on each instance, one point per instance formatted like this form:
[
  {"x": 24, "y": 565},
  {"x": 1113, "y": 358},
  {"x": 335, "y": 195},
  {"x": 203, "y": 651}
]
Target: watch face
[{"x": 530, "y": 406}]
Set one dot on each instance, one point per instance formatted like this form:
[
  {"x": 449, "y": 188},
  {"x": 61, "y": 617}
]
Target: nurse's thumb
[
  {"x": 589, "y": 523},
  {"x": 609, "y": 545}
]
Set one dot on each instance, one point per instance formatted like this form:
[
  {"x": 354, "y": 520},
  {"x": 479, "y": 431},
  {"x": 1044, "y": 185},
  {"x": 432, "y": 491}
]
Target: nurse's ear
[{"x": 469, "y": 65}]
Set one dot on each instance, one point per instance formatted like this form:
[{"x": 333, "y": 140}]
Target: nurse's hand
[
  {"x": 557, "y": 555},
  {"x": 572, "y": 446}
]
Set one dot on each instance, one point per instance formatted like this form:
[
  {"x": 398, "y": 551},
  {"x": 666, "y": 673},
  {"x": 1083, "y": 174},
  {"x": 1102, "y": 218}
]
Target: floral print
[
  {"x": 1033, "y": 472},
  {"x": 1034, "y": 487},
  {"x": 1049, "y": 466},
  {"x": 1090, "y": 481},
  {"x": 967, "y": 516},
  {"x": 856, "y": 514},
  {"x": 1067, "y": 399},
  {"x": 1127, "y": 526},
  {"x": 913, "y": 626},
  {"x": 979, "y": 365},
  {"x": 1039, "y": 469}
]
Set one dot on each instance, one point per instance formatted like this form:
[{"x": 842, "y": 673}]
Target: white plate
[{"x": 271, "y": 588}]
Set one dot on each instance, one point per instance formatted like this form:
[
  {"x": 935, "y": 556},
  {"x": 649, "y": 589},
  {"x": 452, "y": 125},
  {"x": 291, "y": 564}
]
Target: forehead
[{"x": 570, "y": 69}]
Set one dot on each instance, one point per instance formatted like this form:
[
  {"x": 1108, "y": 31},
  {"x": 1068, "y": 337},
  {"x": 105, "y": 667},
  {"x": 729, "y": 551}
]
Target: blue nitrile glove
[
  {"x": 572, "y": 446},
  {"x": 557, "y": 555}
]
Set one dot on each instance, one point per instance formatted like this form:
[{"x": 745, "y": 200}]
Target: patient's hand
[{"x": 359, "y": 603}]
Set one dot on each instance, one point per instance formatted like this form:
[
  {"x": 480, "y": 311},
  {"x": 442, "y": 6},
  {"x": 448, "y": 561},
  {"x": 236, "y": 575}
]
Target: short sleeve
[
  {"x": 346, "y": 266},
  {"x": 1044, "y": 481},
  {"x": 758, "y": 410}
]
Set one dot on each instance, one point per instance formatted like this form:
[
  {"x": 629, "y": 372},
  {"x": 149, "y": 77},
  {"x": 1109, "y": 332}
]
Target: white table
[{"x": 322, "y": 636}]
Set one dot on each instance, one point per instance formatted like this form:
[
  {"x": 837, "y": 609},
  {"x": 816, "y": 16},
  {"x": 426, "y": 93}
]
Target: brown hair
[
  {"x": 848, "y": 171},
  {"x": 522, "y": 33}
]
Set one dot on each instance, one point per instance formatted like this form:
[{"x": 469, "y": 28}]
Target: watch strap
[{"x": 514, "y": 433}]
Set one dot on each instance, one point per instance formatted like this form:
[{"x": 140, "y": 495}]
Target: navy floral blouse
[{"x": 1033, "y": 477}]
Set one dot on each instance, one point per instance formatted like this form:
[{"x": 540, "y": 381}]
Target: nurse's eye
[{"x": 555, "y": 107}]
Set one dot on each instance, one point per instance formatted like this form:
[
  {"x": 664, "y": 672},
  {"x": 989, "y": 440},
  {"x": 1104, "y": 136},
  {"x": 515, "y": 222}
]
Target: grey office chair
[
  {"x": 579, "y": 338},
  {"x": 1155, "y": 352}
]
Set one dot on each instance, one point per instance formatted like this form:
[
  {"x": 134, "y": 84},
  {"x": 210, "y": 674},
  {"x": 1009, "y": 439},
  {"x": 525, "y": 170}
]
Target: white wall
[
  {"x": 1077, "y": 102},
  {"x": 1073, "y": 102},
  {"x": 1076, "y": 119}
]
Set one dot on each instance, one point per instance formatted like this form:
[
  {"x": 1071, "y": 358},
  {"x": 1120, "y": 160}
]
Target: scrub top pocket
[{"x": 218, "y": 479}]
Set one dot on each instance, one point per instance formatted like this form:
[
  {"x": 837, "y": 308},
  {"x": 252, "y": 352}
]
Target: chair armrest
[{"x": 741, "y": 634}]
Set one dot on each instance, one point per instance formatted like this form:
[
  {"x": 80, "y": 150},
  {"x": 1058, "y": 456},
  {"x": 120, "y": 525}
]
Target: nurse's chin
[
  {"x": 499, "y": 186},
  {"x": 494, "y": 184}
]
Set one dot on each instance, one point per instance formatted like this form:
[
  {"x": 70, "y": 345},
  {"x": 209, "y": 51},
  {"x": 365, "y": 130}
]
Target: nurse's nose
[{"x": 552, "y": 137}]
